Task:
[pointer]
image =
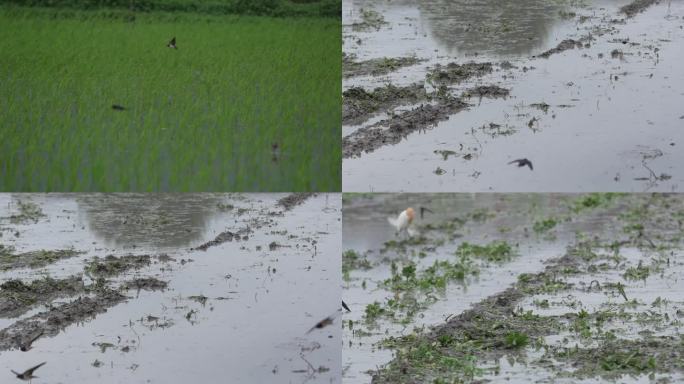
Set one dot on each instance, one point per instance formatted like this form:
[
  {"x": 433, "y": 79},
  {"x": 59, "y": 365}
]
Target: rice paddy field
[{"x": 245, "y": 103}]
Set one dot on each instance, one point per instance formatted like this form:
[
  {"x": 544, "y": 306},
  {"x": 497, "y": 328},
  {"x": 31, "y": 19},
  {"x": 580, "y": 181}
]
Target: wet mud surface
[
  {"x": 117, "y": 307},
  {"x": 514, "y": 288},
  {"x": 607, "y": 72}
]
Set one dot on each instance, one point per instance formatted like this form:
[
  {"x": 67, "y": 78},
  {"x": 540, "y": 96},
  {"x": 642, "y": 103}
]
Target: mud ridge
[
  {"x": 368, "y": 139},
  {"x": 51, "y": 322},
  {"x": 34, "y": 259},
  {"x": 290, "y": 201},
  {"x": 224, "y": 237},
  {"x": 358, "y": 105},
  {"x": 17, "y": 297},
  {"x": 561, "y": 47},
  {"x": 375, "y": 67},
  {"x": 636, "y": 7},
  {"x": 454, "y": 73}
]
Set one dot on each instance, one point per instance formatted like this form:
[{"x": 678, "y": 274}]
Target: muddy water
[
  {"x": 237, "y": 312},
  {"x": 508, "y": 217},
  {"x": 612, "y": 123}
]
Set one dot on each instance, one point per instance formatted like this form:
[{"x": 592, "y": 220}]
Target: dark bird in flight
[
  {"x": 322, "y": 324},
  {"x": 344, "y": 305},
  {"x": 522, "y": 163},
  {"x": 27, "y": 346},
  {"x": 325, "y": 322},
  {"x": 172, "y": 43},
  {"x": 423, "y": 210},
  {"x": 27, "y": 375},
  {"x": 118, "y": 107}
]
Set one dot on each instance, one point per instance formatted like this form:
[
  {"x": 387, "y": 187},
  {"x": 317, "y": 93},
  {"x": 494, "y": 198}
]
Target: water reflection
[{"x": 151, "y": 220}]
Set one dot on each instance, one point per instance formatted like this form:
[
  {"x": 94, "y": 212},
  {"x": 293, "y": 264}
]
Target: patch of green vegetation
[
  {"x": 113, "y": 265},
  {"x": 496, "y": 251},
  {"x": 593, "y": 200},
  {"x": 436, "y": 276},
  {"x": 516, "y": 340},
  {"x": 543, "y": 226},
  {"x": 374, "y": 311},
  {"x": 351, "y": 260},
  {"x": 639, "y": 272},
  {"x": 203, "y": 117},
  {"x": 417, "y": 357},
  {"x": 614, "y": 358}
]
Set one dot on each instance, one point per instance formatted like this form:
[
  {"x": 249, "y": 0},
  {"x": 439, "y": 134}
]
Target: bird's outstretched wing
[{"x": 29, "y": 372}]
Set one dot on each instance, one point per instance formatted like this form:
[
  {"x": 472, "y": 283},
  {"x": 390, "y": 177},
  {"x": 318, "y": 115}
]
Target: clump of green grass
[
  {"x": 545, "y": 225},
  {"x": 593, "y": 200},
  {"x": 374, "y": 311},
  {"x": 203, "y": 117},
  {"x": 515, "y": 340},
  {"x": 639, "y": 272},
  {"x": 496, "y": 251},
  {"x": 113, "y": 265}
]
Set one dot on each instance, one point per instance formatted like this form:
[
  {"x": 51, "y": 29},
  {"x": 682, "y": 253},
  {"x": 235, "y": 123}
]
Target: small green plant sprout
[{"x": 515, "y": 340}]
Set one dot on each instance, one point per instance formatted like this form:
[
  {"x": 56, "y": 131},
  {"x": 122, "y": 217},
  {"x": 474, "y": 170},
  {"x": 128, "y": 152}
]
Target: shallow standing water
[
  {"x": 237, "y": 312},
  {"x": 612, "y": 123}
]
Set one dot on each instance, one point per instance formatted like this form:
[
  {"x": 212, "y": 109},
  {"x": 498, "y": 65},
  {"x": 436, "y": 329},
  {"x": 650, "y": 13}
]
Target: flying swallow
[
  {"x": 325, "y": 322},
  {"x": 172, "y": 43},
  {"x": 118, "y": 107},
  {"x": 27, "y": 346},
  {"x": 27, "y": 375},
  {"x": 344, "y": 305},
  {"x": 522, "y": 163}
]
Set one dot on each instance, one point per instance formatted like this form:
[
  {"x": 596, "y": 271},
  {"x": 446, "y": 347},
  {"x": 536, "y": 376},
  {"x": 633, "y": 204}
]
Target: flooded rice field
[
  {"x": 447, "y": 95},
  {"x": 171, "y": 288},
  {"x": 545, "y": 288}
]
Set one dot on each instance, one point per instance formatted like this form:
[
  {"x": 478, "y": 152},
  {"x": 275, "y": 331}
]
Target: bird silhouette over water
[
  {"x": 325, "y": 322},
  {"x": 344, "y": 305},
  {"x": 27, "y": 346},
  {"x": 27, "y": 375},
  {"x": 172, "y": 43},
  {"x": 522, "y": 163}
]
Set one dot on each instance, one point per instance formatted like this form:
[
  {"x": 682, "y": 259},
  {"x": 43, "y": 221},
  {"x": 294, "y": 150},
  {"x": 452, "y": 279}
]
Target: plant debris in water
[
  {"x": 454, "y": 73},
  {"x": 112, "y": 265}
]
